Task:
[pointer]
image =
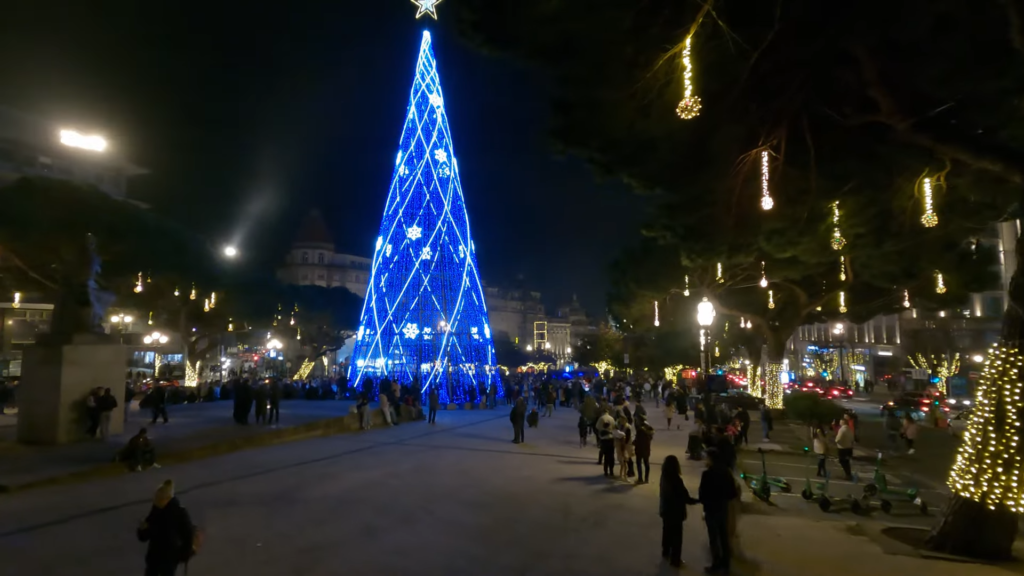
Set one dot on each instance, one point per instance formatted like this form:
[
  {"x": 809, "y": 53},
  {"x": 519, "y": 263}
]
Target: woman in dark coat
[
  {"x": 169, "y": 532},
  {"x": 673, "y": 502}
]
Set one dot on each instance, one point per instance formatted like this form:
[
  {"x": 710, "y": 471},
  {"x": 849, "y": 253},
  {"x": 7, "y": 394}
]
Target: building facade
[{"x": 313, "y": 261}]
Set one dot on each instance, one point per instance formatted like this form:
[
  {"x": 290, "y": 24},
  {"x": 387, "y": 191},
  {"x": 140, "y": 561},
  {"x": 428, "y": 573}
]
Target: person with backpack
[
  {"x": 642, "y": 448},
  {"x": 168, "y": 530}
]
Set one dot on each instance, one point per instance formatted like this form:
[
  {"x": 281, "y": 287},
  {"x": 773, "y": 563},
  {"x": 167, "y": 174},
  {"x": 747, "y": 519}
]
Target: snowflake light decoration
[
  {"x": 411, "y": 331},
  {"x": 441, "y": 156},
  {"x": 436, "y": 100},
  {"x": 426, "y": 254},
  {"x": 413, "y": 232}
]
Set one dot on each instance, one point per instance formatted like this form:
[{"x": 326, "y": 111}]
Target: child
[
  {"x": 532, "y": 418},
  {"x": 584, "y": 427}
]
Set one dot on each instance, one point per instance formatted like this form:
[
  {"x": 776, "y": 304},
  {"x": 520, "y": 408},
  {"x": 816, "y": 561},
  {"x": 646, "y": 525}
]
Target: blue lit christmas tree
[{"x": 424, "y": 318}]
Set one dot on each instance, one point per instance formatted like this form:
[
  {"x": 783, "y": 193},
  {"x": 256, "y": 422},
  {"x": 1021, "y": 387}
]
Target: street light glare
[
  {"x": 127, "y": 318},
  {"x": 115, "y": 319},
  {"x": 86, "y": 142},
  {"x": 230, "y": 251},
  {"x": 978, "y": 358}
]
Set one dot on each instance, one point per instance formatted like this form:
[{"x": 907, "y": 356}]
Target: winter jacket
[
  {"x": 717, "y": 489},
  {"x": 844, "y": 438},
  {"x": 168, "y": 531},
  {"x": 642, "y": 444},
  {"x": 673, "y": 498}
]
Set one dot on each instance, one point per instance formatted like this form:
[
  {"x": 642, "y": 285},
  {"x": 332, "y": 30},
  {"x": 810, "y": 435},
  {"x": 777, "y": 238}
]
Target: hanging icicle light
[
  {"x": 150, "y": 322},
  {"x": 192, "y": 295},
  {"x": 206, "y": 305},
  {"x": 686, "y": 279},
  {"x": 689, "y": 106},
  {"x": 837, "y": 237},
  {"x": 764, "y": 279},
  {"x": 719, "y": 277},
  {"x": 940, "y": 285},
  {"x": 771, "y": 300},
  {"x": 176, "y": 291},
  {"x": 138, "y": 284},
  {"x": 766, "y": 198},
  {"x": 906, "y": 299},
  {"x": 842, "y": 302},
  {"x": 657, "y": 321},
  {"x": 231, "y": 325},
  {"x": 842, "y": 268},
  {"x": 298, "y": 333},
  {"x": 928, "y": 219},
  {"x": 213, "y": 299},
  {"x": 17, "y": 300}
]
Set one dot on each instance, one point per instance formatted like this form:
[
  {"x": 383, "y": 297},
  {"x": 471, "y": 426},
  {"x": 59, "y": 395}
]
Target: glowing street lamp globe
[
  {"x": 705, "y": 312},
  {"x": 230, "y": 251}
]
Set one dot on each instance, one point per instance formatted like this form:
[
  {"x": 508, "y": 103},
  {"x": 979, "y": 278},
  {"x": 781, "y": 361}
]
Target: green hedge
[{"x": 809, "y": 407}]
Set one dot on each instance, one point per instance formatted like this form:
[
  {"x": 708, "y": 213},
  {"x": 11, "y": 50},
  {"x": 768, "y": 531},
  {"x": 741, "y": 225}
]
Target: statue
[{"x": 82, "y": 304}]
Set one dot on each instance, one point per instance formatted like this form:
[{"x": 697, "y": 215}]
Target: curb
[{"x": 326, "y": 427}]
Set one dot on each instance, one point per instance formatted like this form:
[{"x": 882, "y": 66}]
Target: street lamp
[
  {"x": 156, "y": 338},
  {"x": 230, "y": 251},
  {"x": 978, "y": 358},
  {"x": 122, "y": 320},
  {"x": 705, "y": 317}
]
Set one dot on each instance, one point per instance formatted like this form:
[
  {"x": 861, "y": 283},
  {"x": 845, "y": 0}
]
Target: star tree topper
[{"x": 427, "y": 7}]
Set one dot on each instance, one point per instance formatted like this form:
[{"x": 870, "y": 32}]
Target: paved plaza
[{"x": 455, "y": 498}]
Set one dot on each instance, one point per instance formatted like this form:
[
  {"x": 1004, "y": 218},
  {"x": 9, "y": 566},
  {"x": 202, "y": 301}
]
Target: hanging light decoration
[
  {"x": 771, "y": 300},
  {"x": 206, "y": 305},
  {"x": 842, "y": 302},
  {"x": 719, "y": 277},
  {"x": 842, "y": 268},
  {"x": 192, "y": 295},
  {"x": 657, "y": 321},
  {"x": 138, "y": 284},
  {"x": 149, "y": 279},
  {"x": 150, "y": 322},
  {"x": 716, "y": 350},
  {"x": 213, "y": 299},
  {"x": 176, "y": 291},
  {"x": 689, "y": 106},
  {"x": 837, "y": 237},
  {"x": 929, "y": 218},
  {"x": 764, "y": 279},
  {"x": 17, "y": 300},
  {"x": 766, "y": 198},
  {"x": 231, "y": 325},
  {"x": 686, "y": 279},
  {"x": 906, "y": 299},
  {"x": 940, "y": 285},
  {"x": 298, "y": 333}
]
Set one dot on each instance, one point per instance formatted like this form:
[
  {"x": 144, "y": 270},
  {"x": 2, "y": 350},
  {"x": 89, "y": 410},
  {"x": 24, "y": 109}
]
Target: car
[
  {"x": 838, "y": 392},
  {"x": 917, "y": 404},
  {"x": 736, "y": 398},
  {"x": 958, "y": 423},
  {"x": 810, "y": 386}
]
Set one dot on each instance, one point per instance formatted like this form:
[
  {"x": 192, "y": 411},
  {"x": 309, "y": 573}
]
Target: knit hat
[{"x": 165, "y": 491}]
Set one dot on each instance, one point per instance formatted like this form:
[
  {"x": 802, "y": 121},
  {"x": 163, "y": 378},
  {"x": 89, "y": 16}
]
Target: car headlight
[
  {"x": 967, "y": 402},
  {"x": 952, "y": 401}
]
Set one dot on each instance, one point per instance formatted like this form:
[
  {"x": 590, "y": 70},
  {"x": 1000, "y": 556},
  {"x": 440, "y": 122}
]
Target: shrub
[{"x": 808, "y": 407}]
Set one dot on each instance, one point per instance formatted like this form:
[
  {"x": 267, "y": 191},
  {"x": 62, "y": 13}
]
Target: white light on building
[{"x": 86, "y": 142}]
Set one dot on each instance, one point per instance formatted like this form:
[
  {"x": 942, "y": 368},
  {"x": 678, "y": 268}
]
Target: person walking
[
  {"x": 642, "y": 449},
  {"x": 363, "y": 410},
  {"x": 518, "y": 419},
  {"x": 681, "y": 401},
  {"x": 168, "y": 532},
  {"x": 716, "y": 493},
  {"x": 584, "y": 428},
  {"x": 844, "y": 443},
  {"x": 909, "y": 432},
  {"x": 432, "y": 401},
  {"x": 744, "y": 419},
  {"x": 766, "y": 422},
  {"x": 92, "y": 412},
  {"x": 669, "y": 411},
  {"x": 621, "y": 437},
  {"x": 106, "y": 405},
  {"x": 129, "y": 394},
  {"x": 260, "y": 395},
  {"x": 818, "y": 441},
  {"x": 606, "y": 443},
  {"x": 672, "y": 501},
  {"x": 589, "y": 411},
  {"x": 385, "y": 407},
  {"x": 159, "y": 403},
  {"x": 274, "y": 396}
]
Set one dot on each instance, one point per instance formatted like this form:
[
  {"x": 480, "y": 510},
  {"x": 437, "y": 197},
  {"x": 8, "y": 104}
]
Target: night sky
[{"x": 250, "y": 114}]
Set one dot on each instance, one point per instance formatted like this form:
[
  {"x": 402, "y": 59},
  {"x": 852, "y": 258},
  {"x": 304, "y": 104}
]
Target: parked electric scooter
[
  {"x": 761, "y": 485},
  {"x": 820, "y": 491},
  {"x": 879, "y": 487}
]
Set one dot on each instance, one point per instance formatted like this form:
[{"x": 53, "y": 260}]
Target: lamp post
[
  {"x": 122, "y": 320},
  {"x": 705, "y": 317},
  {"x": 840, "y": 331}
]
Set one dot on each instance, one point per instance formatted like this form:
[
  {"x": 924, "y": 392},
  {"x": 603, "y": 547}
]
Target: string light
[
  {"x": 304, "y": 370},
  {"x": 929, "y": 219},
  {"x": 231, "y": 325},
  {"x": 764, "y": 279},
  {"x": 176, "y": 291},
  {"x": 17, "y": 300},
  {"x": 192, "y": 295},
  {"x": 989, "y": 467},
  {"x": 657, "y": 321},
  {"x": 291, "y": 322},
  {"x": 842, "y": 302},
  {"x": 150, "y": 318},
  {"x": 192, "y": 374},
  {"x": 906, "y": 299},
  {"x": 771, "y": 300},
  {"x": 716, "y": 349},
  {"x": 689, "y": 106},
  {"x": 686, "y": 292},
  {"x": 138, "y": 284},
  {"x": 766, "y": 199},
  {"x": 298, "y": 333},
  {"x": 773, "y": 385},
  {"x": 213, "y": 299},
  {"x": 842, "y": 268},
  {"x": 719, "y": 277},
  {"x": 754, "y": 380},
  {"x": 837, "y": 237},
  {"x": 940, "y": 285},
  {"x": 206, "y": 305}
]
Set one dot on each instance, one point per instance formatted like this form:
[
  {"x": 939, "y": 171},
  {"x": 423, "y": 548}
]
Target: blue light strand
[{"x": 425, "y": 315}]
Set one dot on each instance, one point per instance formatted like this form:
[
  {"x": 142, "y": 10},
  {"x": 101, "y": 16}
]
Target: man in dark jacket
[
  {"x": 518, "y": 418},
  {"x": 159, "y": 403},
  {"x": 642, "y": 447},
  {"x": 672, "y": 502},
  {"x": 168, "y": 530},
  {"x": 274, "y": 416},
  {"x": 717, "y": 490},
  {"x": 432, "y": 401}
]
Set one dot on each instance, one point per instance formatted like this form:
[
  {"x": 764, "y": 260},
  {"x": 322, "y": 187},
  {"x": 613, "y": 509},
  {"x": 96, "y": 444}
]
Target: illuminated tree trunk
[
  {"x": 772, "y": 384},
  {"x": 754, "y": 371},
  {"x": 987, "y": 478}
]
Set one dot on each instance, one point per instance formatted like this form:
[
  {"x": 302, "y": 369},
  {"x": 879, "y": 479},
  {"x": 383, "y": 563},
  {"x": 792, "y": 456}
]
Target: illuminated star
[
  {"x": 411, "y": 330},
  {"x": 440, "y": 155},
  {"x": 427, "y": 7},
  {"x": 413, "y": 232}
]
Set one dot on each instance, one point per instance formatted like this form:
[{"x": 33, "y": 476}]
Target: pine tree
[{"x": 424, "y": 320}]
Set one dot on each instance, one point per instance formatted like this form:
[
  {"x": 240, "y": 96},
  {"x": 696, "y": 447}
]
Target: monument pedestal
[{"x": 55, "y": 383}]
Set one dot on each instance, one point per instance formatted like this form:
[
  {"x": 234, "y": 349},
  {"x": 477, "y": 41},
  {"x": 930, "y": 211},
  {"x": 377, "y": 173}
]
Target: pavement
[
  {"x": 191, "y": 427},
  {"x": 453, "y": 498}
]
